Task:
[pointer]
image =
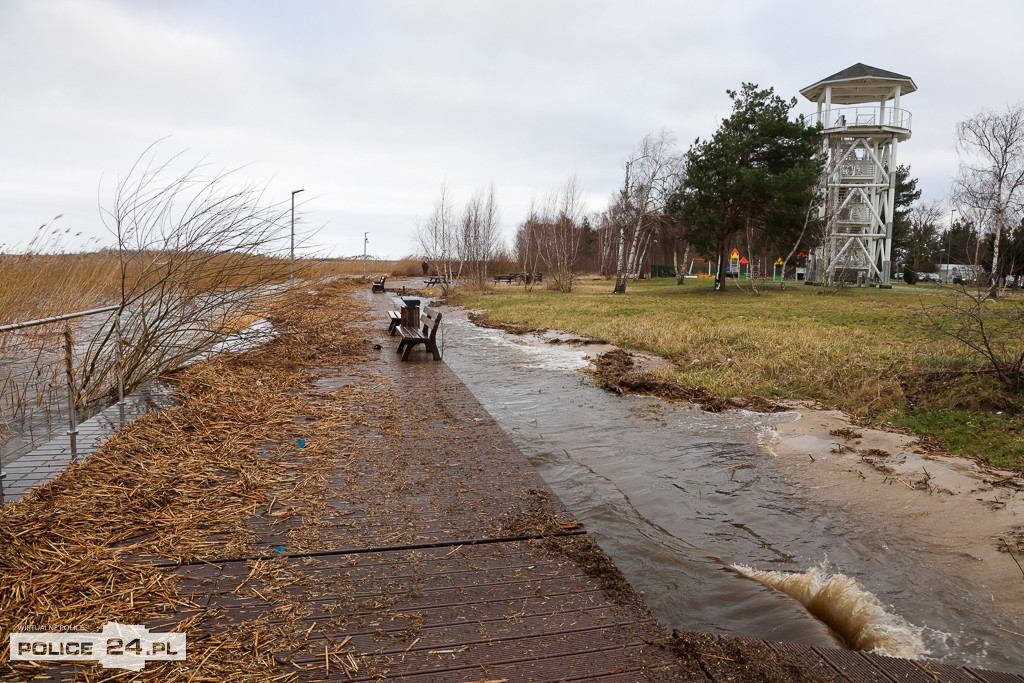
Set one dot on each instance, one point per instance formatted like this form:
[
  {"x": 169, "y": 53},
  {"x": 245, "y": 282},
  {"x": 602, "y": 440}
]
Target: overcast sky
[{"x": 369, "y": 106}]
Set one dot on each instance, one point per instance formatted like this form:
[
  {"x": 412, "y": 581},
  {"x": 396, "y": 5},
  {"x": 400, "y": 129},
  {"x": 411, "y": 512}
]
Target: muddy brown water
[{"x": 685, "y": 502}]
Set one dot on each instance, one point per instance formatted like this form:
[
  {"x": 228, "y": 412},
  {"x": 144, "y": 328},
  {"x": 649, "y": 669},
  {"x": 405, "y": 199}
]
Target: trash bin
[{"x": 411, "y": 313}]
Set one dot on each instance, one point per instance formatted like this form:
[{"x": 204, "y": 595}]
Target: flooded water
[
  {"x": 712, "y": 530},
  {"x": 33, "y": 384}
]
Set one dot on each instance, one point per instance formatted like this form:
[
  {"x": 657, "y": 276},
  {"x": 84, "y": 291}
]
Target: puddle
[{"x": 678, "y": 497}]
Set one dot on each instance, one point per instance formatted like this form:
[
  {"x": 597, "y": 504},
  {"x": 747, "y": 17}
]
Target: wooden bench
[
  {"x": 395, "y": 321},
  {"x": 378, "y": 286},
  {"x": 412, "y": 336},
  {"x": 507, "y": 279},
  {"x": 435, "y": 280}
]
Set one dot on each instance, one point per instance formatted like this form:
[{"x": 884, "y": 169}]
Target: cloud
[{"x": 369, "y": 105}]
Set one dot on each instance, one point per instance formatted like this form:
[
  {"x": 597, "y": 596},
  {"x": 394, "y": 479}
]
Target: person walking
[{"x": 426, "y": 268}]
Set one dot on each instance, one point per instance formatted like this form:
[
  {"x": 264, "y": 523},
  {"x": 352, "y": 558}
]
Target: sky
[{"x": 369, "y": 106}]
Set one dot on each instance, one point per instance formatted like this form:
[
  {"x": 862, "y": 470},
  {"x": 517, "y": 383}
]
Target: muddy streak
[
  {"x": 842, "y": 603},
  {"x": 675, "y": 495}
]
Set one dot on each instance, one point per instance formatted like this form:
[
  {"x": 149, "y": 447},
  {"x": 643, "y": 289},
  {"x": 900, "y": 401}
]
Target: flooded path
[{"x": 684, "y": 501}]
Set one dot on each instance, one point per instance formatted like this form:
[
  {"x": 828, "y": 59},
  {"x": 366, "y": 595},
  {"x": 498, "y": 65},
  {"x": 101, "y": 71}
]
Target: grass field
[{"x": 878, "y": 354}]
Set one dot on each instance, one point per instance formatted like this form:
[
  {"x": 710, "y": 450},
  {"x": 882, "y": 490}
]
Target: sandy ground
[{"x": 971, "y": 508}]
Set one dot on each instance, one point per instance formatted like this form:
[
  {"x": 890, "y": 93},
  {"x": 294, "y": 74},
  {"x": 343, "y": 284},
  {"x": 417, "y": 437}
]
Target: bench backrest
[
  {"x": 432, "y": 317},
  {"x": 382, "y": 279}
]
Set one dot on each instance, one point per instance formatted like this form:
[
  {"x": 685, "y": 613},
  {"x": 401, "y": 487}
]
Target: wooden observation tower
[{"x": 859, "y": 180}]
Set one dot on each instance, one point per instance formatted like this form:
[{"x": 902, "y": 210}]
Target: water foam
[{"x": 848, "y": 608}]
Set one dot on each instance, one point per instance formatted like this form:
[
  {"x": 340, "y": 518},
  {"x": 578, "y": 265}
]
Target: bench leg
[
  {"x": 408, "y": 348},
  {"x": 432, "y": 347},
  {"x": 401, "y": 345}
]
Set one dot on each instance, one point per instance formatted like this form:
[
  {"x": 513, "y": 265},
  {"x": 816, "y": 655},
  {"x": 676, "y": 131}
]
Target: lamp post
[
  {"x": 366, "y": 239},
  {"x": 292, "y": 275},
  {"x": 949, "y": 240}
]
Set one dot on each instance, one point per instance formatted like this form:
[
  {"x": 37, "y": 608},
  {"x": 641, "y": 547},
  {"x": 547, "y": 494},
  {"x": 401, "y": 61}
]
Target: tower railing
[{"x": 869, "y": 116}]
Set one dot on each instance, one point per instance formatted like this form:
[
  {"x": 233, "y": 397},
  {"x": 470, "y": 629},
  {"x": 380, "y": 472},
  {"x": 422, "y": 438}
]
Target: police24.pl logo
[{"x": 119, "y": 646}]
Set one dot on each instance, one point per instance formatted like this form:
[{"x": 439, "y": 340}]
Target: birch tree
[
  {"x": 560, "y": 232},
  {"x": 652, "y": 172},
  {"x": 990, "y": 178},
  {"x": 526, "y": 250},
  {"x": 441, "y": 241},
  {"x": 479, "y": 241}
]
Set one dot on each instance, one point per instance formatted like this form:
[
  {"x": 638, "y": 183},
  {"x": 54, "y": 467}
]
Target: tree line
[{"x": 752, "y": 185}]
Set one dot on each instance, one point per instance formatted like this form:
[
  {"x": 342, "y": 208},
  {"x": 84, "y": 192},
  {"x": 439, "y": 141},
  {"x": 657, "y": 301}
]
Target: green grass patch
[{"x": 995, "y": 438}]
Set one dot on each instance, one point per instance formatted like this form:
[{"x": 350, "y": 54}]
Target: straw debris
[{"x": 208, "y": 480}]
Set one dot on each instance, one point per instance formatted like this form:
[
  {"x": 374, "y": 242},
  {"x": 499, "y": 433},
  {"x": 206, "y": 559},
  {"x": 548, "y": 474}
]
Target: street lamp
[
  {"x": 366, "y": 239},
  {"x": 949, "y": 239},
  {"x": 294, "y": 192}
]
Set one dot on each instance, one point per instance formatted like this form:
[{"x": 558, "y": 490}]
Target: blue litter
[
  {"x": 280, "y": 548},
  {"x": 302, "y": 443}
]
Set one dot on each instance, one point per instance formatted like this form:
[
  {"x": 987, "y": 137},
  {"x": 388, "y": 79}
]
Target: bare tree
[
  {"x": 198, "y": 259},
  {"x": 560, "y": 232},
  {"x": 527, "y": 246},
  {"x": 988, "y": 331},
  {"x": 441, "y": 240},
  {"x": 480, "y": 237},
  {"x": 991, "y": 174},
  {"x": 652, "y": 172}
]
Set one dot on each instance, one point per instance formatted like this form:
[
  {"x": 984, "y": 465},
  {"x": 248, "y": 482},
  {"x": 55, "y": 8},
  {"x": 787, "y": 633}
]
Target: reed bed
[
  {"x": 171, "y": 317},
  {"x": 185, "y": 485}
]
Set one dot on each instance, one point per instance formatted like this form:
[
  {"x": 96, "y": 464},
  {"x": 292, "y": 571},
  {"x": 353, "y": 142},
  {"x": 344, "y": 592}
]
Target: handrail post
[
  {"x": 119, "y": 360},
  {"x": 69, "y": 369}
]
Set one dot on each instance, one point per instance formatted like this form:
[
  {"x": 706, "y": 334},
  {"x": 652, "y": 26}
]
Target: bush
[{"x": 909, "y": 276}]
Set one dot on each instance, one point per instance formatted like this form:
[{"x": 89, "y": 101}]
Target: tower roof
[{"x": 860, "y": 83}]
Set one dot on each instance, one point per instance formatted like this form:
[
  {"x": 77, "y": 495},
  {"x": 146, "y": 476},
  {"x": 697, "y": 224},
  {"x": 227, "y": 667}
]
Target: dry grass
[
  {"x": 317, "y": 269},
  {"x": 796, "y": 343},
  {"x": 36, "y": 285}
]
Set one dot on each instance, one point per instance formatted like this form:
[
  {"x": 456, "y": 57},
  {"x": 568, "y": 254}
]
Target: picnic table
[
  {"x": 439, "y": 280},
  {"x": 517, "y": 278}
]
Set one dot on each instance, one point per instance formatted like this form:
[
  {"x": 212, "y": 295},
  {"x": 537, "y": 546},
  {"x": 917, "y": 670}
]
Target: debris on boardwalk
[{"x": 186, "y": 485}]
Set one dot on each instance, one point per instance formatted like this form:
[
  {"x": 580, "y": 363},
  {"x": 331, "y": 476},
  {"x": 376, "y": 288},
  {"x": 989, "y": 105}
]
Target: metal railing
[
  {"x": 865, "y": 116},
  {"x": 31, "y": 366}
]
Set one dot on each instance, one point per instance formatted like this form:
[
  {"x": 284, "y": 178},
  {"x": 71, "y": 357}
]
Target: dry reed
[{"x": 184, "y": 485}]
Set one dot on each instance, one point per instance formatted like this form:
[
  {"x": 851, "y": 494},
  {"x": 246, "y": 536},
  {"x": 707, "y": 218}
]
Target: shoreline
[
  {"x": 946, "y": 499},
  {"x": 960, "y": 504},
  {"x": 950, "y": 501}
]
